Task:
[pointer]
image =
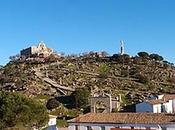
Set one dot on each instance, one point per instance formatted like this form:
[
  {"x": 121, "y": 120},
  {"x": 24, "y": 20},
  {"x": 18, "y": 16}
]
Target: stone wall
[{"x": 106, "y": 100}]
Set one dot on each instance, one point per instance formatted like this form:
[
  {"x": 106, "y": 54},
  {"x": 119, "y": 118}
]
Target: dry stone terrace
[{"x": 87, "y": 70}]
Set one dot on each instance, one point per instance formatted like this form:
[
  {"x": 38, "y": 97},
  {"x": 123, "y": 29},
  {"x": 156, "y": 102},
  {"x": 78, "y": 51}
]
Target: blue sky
[{"x": 75, "y": 26}]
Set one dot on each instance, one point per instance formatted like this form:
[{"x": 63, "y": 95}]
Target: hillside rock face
[{"x": 133, "y": 77}]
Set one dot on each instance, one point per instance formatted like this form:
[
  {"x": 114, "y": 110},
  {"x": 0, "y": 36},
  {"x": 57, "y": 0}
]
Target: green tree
[
  {"x": 82, "y": 97},
  {"x": 156, "y": 57},
  {"x": 143, "y": 54},
  {"x": 16, "y": 108},
  {"x": 125, "y": 58}
]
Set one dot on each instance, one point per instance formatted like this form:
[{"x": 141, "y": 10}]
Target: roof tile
[{"x": 134, "y": 118}]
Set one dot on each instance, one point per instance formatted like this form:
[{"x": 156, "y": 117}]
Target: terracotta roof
[
  {"x": 156, "y": 101},
  {"x": 165, "y": 99},
  {"x": 169, "y": 97},
  {"x": 125, "y": 118}
]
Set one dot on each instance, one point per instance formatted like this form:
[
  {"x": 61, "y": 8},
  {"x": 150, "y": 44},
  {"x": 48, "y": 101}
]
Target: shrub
[
  {"x": 172, "y": 80},
  {"x": 125, "y": 73},
  {"x": 62, "y": 123},
  {"x": 103, "y": 70},
  {"x": 52, "y": 104},
  {"x": 142, "y": 79}
]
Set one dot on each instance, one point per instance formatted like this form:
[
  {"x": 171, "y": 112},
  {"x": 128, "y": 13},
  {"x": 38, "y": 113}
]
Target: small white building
[
  {"x": 52, "y": 124},
  {"x": 123, "y": 121},
  {"x": 162, "y": 104}
]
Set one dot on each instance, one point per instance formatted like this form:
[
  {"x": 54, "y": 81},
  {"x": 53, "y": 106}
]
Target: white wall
[
  {"x": 173, "y": 107},
  {"x": 144, "y": 107},
  {"x": 83, "y": 127},
  {"x": 109, "y": 126},
  {"x": 127, "y": 126},
  {"x": 169, "y": 106},
  {"x": 52, "y": 121},
  {"x": 160, "y": 96},
  {"x": 71, "y": 127},
  {"x": 96, "y": 127},
  {"x": 157, "y": 108},
  {"x": 34, "y": 49}
]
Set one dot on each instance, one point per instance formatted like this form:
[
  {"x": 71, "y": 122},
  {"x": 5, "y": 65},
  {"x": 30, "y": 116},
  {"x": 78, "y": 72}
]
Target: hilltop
[{"x": 133, "y": 77}]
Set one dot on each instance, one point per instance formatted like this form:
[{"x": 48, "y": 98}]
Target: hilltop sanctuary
[{"x": 39, "y": 50}]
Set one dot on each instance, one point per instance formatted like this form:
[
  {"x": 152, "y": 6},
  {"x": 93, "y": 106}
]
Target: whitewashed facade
[
  {"x": 159, "y": 105},
  {"x": 103, "y": 126},
  {"x": 52, "y": 124},
  {"x": 123, "y": 121}
]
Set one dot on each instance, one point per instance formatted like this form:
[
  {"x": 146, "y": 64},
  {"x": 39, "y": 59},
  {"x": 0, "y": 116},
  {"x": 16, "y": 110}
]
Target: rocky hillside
[{"x": 133, "y": 77}]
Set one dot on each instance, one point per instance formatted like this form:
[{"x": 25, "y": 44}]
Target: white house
[
  {"x": 164, "y": 103},
  {"x": 123, "y": 121}
]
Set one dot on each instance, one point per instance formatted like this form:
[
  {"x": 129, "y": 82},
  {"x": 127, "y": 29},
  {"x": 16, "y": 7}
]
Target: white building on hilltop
[{"x": 39, "y": 50}]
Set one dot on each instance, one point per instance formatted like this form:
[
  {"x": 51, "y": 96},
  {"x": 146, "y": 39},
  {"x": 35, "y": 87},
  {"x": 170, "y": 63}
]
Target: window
[
  {"x": 162, "y": 108},
  {"x": 89, "y": 128},
  {"x": 164, "y": 128},
  {"x": 76, "y": 127},
  {"x": 102, "y": 127}
]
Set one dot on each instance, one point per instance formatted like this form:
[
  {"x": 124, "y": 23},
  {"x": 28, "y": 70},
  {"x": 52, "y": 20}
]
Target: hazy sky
[{"x": 75, "y": 26}]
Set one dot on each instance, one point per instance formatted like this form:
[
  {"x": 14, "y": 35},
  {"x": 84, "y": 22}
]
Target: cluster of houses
[
  {"x": 159, "y": 104},
  {"x": 156, "y": 113}
]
